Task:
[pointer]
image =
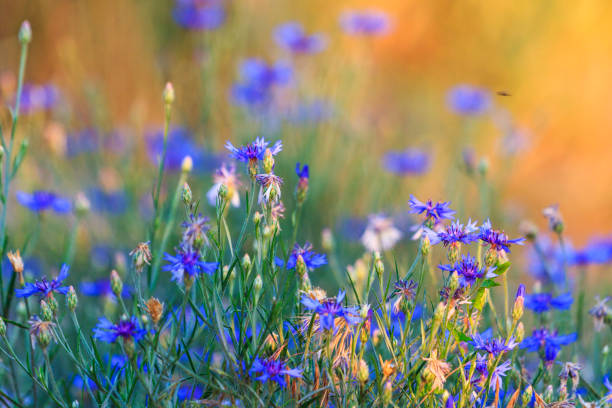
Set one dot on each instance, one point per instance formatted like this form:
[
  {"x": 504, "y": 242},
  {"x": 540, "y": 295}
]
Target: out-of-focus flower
[
  {"x": 187, "y": 263},
  {"x": 498, "y": 374},
  {"x": 543, "y": 302},
  {"x": 269, "y": 369},
  {"x": 189, "y": 392},
  {"x": 434, "y": 212},
  {"x": 226, "y": 176},
  {"x": 155, "y": 309},
  {"x": 112, "y": 202},
  {"x": 39, "y": 201},
  {"x": 548, "y": 341},
  {"x": 555, "y": 220},
  {"x": 45, "y": 288},
  {"x": 195, "y": 229},
  {"x": 292, "y": 37},
  {"x": 468, "y": 100},
  {"x": 35, "y": 98},
  {"x": 365, "y": 22},
  {"x": 258, "y": 80},
  {"x": 600, "y": 312},
  {"x": 329, "y": 309},
  {"x": 407, "y": 162},
  {"x": 41, "y": 331},
  {"x": 199, "y": 14},
  {"x": 102, "y": 288},
  {"x": 254, "y": 151},
  {"x": 128, "y": 329},
  {"x": 380, "y": 234}
]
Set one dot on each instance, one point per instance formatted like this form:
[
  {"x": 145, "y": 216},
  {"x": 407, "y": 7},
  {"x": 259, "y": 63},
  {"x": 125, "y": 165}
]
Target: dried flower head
[{"x": 155, "y": 309}]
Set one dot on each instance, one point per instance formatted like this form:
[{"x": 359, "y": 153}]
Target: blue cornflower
[
  {"x": 273, "y": 370},
  {"x": 258, "y": 80},
  {"x": 187, "y": 263},
  {"x": 292, "y": 37},
  {"x": 39, "y": 201},
  {"x": 548, "y": 342},
  {"x": 127, "y": 329},
  {"x": 608, "y": 385},
  {"x": 598, "y": 251},
  {"x": 199, "y": 15},
  {"x": 407, "y": 162},
  {"x": 311, "y": 258},
  {"x": 254, "y": 151},
  {"x": 45, "y": 288},
  {"x": 302, "y": 172},
  {"x": 497, "y": 240},
  {"x": 469, "y": 100},
  {"x": 467, "y": 268},
  {"x": 36, "y": 98},
  {"x": 102, "y": 288},
  {"x": 494, "y": 346},
  {"x": 543, "y": 302},
  {"x": 435, "y": 212},
  {"x": 114, "y": 202},
  {"x": 189, "y": 392},
  {"x": 453, "y": 234},
  {"x": 498, "y": 373},
  {"x": 331, "y": 308},
  {"x": 365, "y": 22},
  {"x": 195, "y": 229}
]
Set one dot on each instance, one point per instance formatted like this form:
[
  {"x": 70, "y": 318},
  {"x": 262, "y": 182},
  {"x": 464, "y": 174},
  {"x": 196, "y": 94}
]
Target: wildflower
[
  {"x": 292, "y": 37},
  {"x": 225, "y": 176},
  {"x": 572, "y": 371},
  {"x": 498, "y": 373},
  {"x": 547, "y": 341},
  {"x": 40, "y": 201},
  {"x": 116, "y": 283},
  {"x": 155, "y": 309},
  {"x": 195, "y": 231},
  {"x": 468, "y": 100},
  {"x": 141, "y": 256},
  {"x": 387, "y": 368},
  {"x": 271, "y": 187},
  {"x": 600, "y": 312},
  {"x": 497, "y": 240},
  {"x": 17, "y": 264},
  {"x": 555, "y": 221},
  {"x": 543, "y": 302},
  {"x": 310, "y": 258},
  {"x": 438, "y": 369},
  {"x": 102, "y": 288},
  {"x": 41, "y": 330},
  {"x": 277, "y": 212},
  {"x": 433, "y": 212},
  {"x": 258, "y": 80},
  {"x": 455, "y": 233},
  {"x": 44, "y": 287},
  {"x": 361, "y": 371},
  {"x": 380, "y": 234},
  {"x": 187, "y": 264},
  {"x": 493, "y": 346},
  {"x": 71, "y": 299},
  {"x": 517, "y": 308},
  {"x": 467, "y": 268},
  {"x": 302, "y": 187},
  {"x": 329, "y": 309},
  {"x": 407, "y": 162},
  {"x": 405, "y": 291},
  {"x": 199, "y": 15},
  {"x": 35, "y": 98},
  {"x": 127, "y": 328},
  {"x": 273, "y": 370},
  {"x": 366, "y": 22},
  {"x": 112, "y": 202},
  {"x": 253, "y": 152}
]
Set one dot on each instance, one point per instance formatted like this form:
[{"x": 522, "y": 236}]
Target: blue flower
[
  {"x": 435, "y": 212},
  {"x": 36, "y": 98},
  {"x": 194, "y": 235},
  {"x": 497, "y": 240},
  {"x": 253, "y": 151},
  {"x": 102, "y": 288},
  {"x": 469, "y": 100},
  {"x": 494, "y": 346},
  {"x": 547, "y": 341},
  {"x": 292, "y": 37},
  {"x": 597, "y": 251},
  {"x": 366, "y": 22},
  {"x": 453, "y": 234},
  {"x": 113, "y": 202},
  {"x": 258, "y": 80},
  {"x": 303, "y": 172},
  {"x": 546, "y": 261},
  {"x": 467, "y": 268},
  {"x": 127, "y": 329},
  {"x": 269, "y": 369},
  {"x": 543, "y": 302},
  {"x": 328, "y": 310},
  {"x": 189, "y": 392},
  {"x": 498, "y": 373},
  {"x": 187, "y": 263},
  {"x": 199, "y": 15},
  {"x": 45, "y": 288},
  {"x": 40, "y": 200},
  {"x": 407, "y": 162},
  {"x": 311, "y": 258}
]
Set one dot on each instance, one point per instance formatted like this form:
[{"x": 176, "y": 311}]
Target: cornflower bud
[
  {"x": 300, "y": 267},
  {"x": 268, "y": 161},
  {"x": 306, "y": 286},
  {"x": 257, "y": 219},
  {"x": 425, "y": 245},
  {"x": 483, "y": 166},
  {"x": 453, "y": 252},
  {"x": 520, "y": 332},
  {"x": 2, "y": 327},
  {"x": 491, "y": 257},
  {"x": 379, "y": 266},
  {"x": 327, "y": 240},
  {"x": 387, "y": 393},
  {"x": 529, "y": 230},
  {"x": 81, "y": 205},
  {"x": 52, "y": 304},
  {"x": 116, "y": 283},
  {"x": 267, "y": 232},
  {"x": 25, "y": 32},
  {"x": 439, "y": 312},
  {"x": 71, "y": 299},
  {"x": 246, "y": 263},
  {"x": 187, "y": 164},
  {"x": 454, "y": 282},
  {"x": 548, "y": 393},
  {"x": 155, "y": 309},
  {"x": 555, "y": 220},
  {"x": 519, "y": 300},
  {"x": 168, "y": 94},
  {"x": 479, "y": 299},
  {"x": 363, "y": 372},
  {"x": 187, "y": 196},
  {"x": 129, "y": 346},
  {"x": 527, "y": 395},
  {"x": 222, "y": 193}
]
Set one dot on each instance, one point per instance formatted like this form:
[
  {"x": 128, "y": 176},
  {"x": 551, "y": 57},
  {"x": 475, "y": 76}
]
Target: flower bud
[
  {"x": 527, "y": 395},
  {"x": 379, "y": 266},
  {"x": 520, "y": 332},
  {"x": 479, "y": 299},
  {"x": 453, "y": 252},
  {"x": 327, "y": 240},
  {"x": 43, "y": 337},
  {"x": 222, "y": 193},
  {"x": 363, "y": 372},
  {"x": 439, "y": 312},
  {"x": 305, "y": 285},
  {"x": 257, "y": 219},
  {"x": 491, "y": 257},
  {"x": 246, "y": 263},
  {"x": 141, "y": 256},
  {"x": 116, "y": 283},
  {"x": 187, "y": 164},
  {"x": 529, "y": 230},
  {"x": 17, "y": 263},
  {"x": 519, "y": 300},
  {"x": 187, "y": 196},
  {"x": 71, "y": 299},
  {"x": 387, "y": 393},
  {"x": 454, "y": 282},
  {"x": 425, "y": 245},
  {"x": 75, "y": 404},
  {"x": 300, "y": 266},
  {"x": 548, "y": 393},
  {"x": 257, "y": 284},
  {"x": 483, "y": 166},
  {"x": 364, "y": 311},
  {"x": 168, "y": 94},
  {"x": 25, "y": 32},
  {"x": 2, "y": 327},
  {"x": 268, "y": 161},
  {"x": 52, "y": 304},
  {"x": 268, "y": 232},
  {"x": 81, "y": 205}
]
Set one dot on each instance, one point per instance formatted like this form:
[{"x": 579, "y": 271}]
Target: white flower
[{"x": 380, "y": 234}]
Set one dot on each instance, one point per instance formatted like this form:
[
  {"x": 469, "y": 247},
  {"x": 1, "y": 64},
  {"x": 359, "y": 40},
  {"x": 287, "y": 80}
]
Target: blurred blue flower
[
  {"x": 548, "y": 341},
  {"x": 543, "y": 302},
  {"x": 31, "y": 265},
  {"x": 469, "y": 100},
  {"x": 545, "y": 261},
  {"x": 597, "y": 251},
  {"x": 292, "y": 37},
  {"x": 273, "y": 370},
  {"x": 36, "y": 98},
  {"x": 127, "y": 329},
  {"x": 84, "y": 141},
  {"x": 112, "y": 202},
  {"x": 407, "y": 162},
  {"x": 365, "y": 22},
  {"x": 45, "y": 288},
  {"x": 102, "y": 288},
  {"x": 257, "y": 81},
  {"x": 40, "y": 200},
  {"x": 199, "y": 14},
  {"x": 189, "y": 392}
]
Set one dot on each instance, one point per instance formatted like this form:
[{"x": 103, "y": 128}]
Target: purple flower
[
  {"x": 454, "y": 233},
  {"x": 199, "y": 14},
  {"x": 543, "y": 302},
  {"x": 547, "y": 341},
  {"x": 497, "y": 240},
  {"x": 311, "y": 258},
  {"x": 366, "y": 22},
  {"x": 269, "y": 369},
  {"x": 469, "y": 100},
  {"x": 292, "y": 37},
  {"x": 36, "y": 98},
  {"x": 302, "y": 172},
  {"x": 253, "y": 151},
  {"x": 494, "y": 346},
  {"x": 188, "y": 263},
  {"x": 102, "y": 288},
  {"x": 407, "y": 162},
  {"x": 498, "y": 373},
  {"x": 258, "y": 80},
  {"x": 39, "y": 201},
  {"x": 113, "y": 202},
  {"x": 331, "y": 308},
  {"x": 435, "y": 212},
  {"x": 195, "y": 231},
  {"x": 45, "y": 288},
  {"x": 127, "y": 329},
  {"x": 597, "y": 251},
  {"x": 467, "y": 268}
]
